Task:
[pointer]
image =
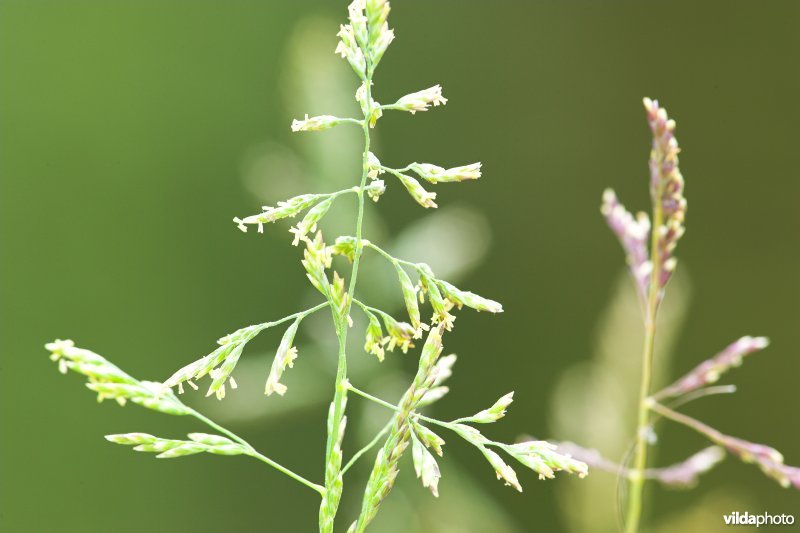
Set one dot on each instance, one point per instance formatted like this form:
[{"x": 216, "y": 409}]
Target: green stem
[
  {"x": 340, "y": 322},
  {"x": 370, "y": 309},
  {"x": 341, "y": 192},
  {"x": 368, "y": 447},
  {"x": 300, "y": 314},
  {"x": 699, "y": 393},
  {"x": 389, "y": 257},
  {"x": 634, "y": 512},
  {"x": 383, "y": 252},
  {"x": 397, "y": 409},
  {"x": 352, "y": 121},
  {"x": 395, "y": 171},
  {"x": 253, "y": 453},
  {"x": 372, "y": 398},
  {"x": 394, "y": 260}
]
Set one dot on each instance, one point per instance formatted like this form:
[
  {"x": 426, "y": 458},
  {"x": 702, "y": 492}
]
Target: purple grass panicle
[
  {"x": 666, "y": 188},
  {"x": 633, "y": 233},
  {"x": 652, "y": 265},
  {"x": 768, "y": 459},
  {"x": 710, "y": 370},
  {"x": 682, "y": 475},
  {"x": 686, "y": 474}
]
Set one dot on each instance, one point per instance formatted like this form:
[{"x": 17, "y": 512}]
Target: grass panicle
[
  {"x": 363, "y": 41},
  {"x": 650, "y": 253}
]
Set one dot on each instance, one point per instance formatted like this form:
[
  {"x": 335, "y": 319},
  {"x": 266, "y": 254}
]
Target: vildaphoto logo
[{"x": 764, "y": 519}]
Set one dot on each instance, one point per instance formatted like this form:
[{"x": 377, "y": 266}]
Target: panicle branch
[
  {"x": 220, "y": 363},
  {"x": 169, "y": 448},
  {"x": 633, "y": 234},
  {"x": 768, "y": 459},
  {"x": 385, "y": 470},
  {"x": 684, "y": 474},
  {"x": 710, "y": 370},
  {"x": 109, "y": 382}
]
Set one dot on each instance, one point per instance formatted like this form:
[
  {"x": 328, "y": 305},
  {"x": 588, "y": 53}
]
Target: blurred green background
[{"x": 131, "y": 132}]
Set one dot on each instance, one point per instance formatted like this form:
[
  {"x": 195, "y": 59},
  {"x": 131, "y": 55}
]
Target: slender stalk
[
  {"x": 712, "y": 434},
  {"x": 302, "y": 313},
  {"x": 389, "y": 257},
  {"x": 397, "y": 409},
  {"x": 294, "y": 316},
  {"x": 700, "y": 393},
  {"x": 253, "y": 453},
  {"x": 369, "y": 308},
  {"x": 634, "y": 512},
  {"x": 333, "y": 468},
  {"x": 372, "y": 398},
  {"x": 352, "y": 121},
  {"x": 368, "y": 446},
  {"x": 393, "y": 107},
  {"x": 392, "y": 259}
]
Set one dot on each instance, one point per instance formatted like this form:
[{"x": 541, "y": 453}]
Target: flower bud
[
  {"x": 444, "y": 368},
  {"x": 284, "y": 357},
  {"x": 417, "y": 191},
  {"x": 375, "y": 189},
  {"x": 309, "y": 222},
  {"x": 211, "y": 440},
  {"x": 495, "y": 412},
  {"x": 131, "y": 438},
  {"x": 344, "y": 246},
  {"x": 374, "y": 337},
  {"x": 437, "y": 174},
  {"x": 358, "y": 22},
  {"x": 373, "y": 166},
  {"x": 425, "y": 466},
  {"x": 428, "y": 438},
  {"x": 503, "y": 471},
  {"x": 382, "y": 42},
  {"x": 441, "y": 307},
  {"x": 348, "y": 48},
  {"x": 188, "y": 448},
  {"x": 377, "y": 12},
  {"x": 318, "y": 123},
  {"x": 316, "y": 258},
  {"x": 371, "y": 109},
  {"x": 410, "y": 297},
  {"x": 470, "y": 299},
  {"x": 433, "y": 395},
  {"x": 400, "y": 334},
  {"x": 421, "y": 100}
]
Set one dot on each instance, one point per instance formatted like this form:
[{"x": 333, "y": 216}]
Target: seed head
[{"x": 666, "y": 186}]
